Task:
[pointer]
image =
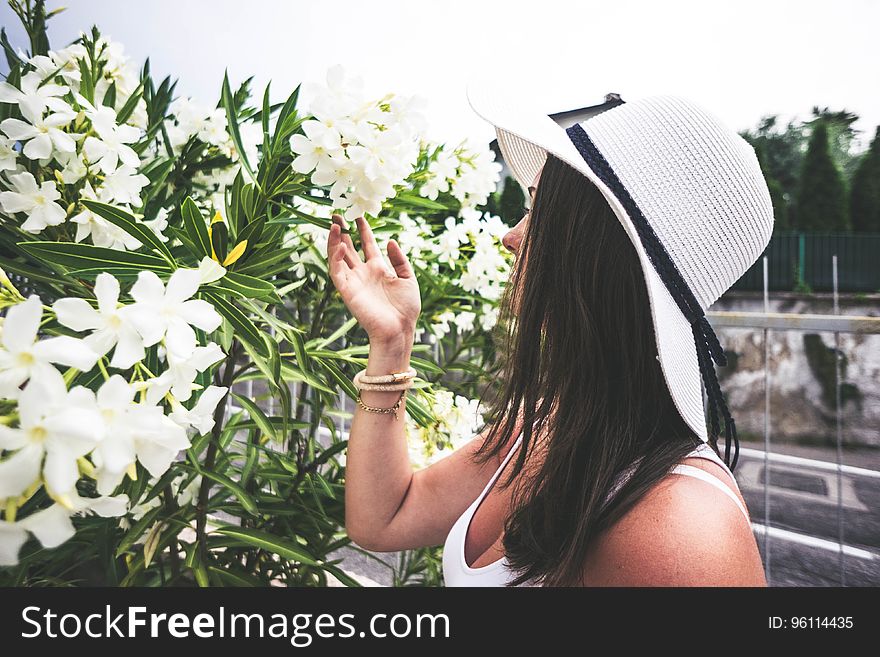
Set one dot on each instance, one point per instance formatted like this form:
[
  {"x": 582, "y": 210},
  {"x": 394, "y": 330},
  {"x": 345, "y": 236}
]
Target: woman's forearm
[{"x": 378, "y": 469}]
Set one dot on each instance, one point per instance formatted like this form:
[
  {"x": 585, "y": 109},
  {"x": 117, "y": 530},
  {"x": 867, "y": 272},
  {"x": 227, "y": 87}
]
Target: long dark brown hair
[{"x": 580, "y": 379}]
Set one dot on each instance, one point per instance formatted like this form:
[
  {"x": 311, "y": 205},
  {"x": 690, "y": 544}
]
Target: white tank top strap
[{"x": 706, "y": 452}]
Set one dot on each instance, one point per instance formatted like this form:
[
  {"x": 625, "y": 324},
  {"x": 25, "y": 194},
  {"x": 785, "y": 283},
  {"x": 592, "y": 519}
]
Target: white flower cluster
[
  {"x": 459, "y": 420},
  {"x": 359, "y": 148},
  {"x": 55, "y": 435},
  {"x": 187, "y": 119},
  {"x": 73, "y": 140},
  {"x": 468, "y": 173}
]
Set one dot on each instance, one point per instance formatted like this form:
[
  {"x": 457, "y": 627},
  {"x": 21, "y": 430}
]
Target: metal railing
[{"x": 836, "y": 324}]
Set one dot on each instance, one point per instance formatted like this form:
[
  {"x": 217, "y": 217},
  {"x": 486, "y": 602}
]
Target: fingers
[
  {"x": 336, "y": 258},
  {"x": 352, "y": 259},
  {"x": 398, "y": 260},
  {"x": 368, "y": 241}
]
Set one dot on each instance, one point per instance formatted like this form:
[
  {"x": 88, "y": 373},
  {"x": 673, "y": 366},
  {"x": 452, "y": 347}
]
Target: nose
[{"x": 513, "y": 238}]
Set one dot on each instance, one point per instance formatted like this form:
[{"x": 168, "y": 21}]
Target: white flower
[
  {"x": 317, "y": 146},
  {"x": 38, "y": 203},
  {"x": 170, "y": 313},
  {"x": 109, "y": 324},
  {"x": 74, "y": 168},
  {"x": 160, "y": 223},
  {"x": 42, "y": 134},
  {"x": 52, "y": 525},
  {"x": 22, "y": 357},
  {"x": 210, "y": 270},
  {"x": 103, "y": 233},
  {"x": 8, "y": 154},
  {"x": 33, "y": 98},
  {"x": 132, "y": 431},
  {"x": 67, "y": 59},
  {"x": 54, "y": 424},
  {"x": 124, "y": 185},
  {"x": 201, "y": 416},
  {"x": 111, "y": 144},
  {"x": 181, "y": 373}
]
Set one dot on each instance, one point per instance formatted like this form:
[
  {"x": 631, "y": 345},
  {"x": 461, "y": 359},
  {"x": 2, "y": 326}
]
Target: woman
[{"x": 611, "y": 479}]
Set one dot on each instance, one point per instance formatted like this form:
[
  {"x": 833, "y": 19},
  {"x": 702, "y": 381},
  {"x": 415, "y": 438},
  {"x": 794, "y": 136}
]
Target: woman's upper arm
[
  {"x": 437, "y": 495},
  {"x": 683, "y": 532}
]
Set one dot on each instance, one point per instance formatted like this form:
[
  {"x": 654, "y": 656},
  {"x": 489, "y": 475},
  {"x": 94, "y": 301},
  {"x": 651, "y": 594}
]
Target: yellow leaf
[
  {"x": 217, "y": 217},
  {"x": 236, "y": 253}
]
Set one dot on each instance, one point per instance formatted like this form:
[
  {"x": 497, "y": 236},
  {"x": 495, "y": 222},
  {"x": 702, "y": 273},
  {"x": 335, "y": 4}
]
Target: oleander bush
[{"x": 174, "y": 360}]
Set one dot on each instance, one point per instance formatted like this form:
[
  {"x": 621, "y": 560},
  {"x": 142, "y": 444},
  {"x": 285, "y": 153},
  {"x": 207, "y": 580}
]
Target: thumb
[{"x": 398, "y": 260}]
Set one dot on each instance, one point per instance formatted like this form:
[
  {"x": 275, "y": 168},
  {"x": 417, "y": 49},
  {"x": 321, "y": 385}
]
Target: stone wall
[{"x": 802, "y": 372}]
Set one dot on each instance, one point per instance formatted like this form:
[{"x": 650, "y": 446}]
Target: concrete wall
[{"x": 802, "y": 368}]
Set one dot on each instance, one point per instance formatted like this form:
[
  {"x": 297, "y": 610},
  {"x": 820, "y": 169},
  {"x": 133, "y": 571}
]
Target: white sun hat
[{"x": 691, "y": 196}]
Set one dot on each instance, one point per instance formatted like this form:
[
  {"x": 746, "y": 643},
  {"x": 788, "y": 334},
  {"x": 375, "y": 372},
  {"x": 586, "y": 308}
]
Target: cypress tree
[
  {"x": 777, "y": 194},
  {"x": 865, "y": 194},
  {"x": 821, "y": 200},
  {"x": 512, "y": 205}
]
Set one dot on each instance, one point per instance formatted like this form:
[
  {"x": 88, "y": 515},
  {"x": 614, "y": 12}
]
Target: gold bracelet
[{"x": 377, "y": 409}]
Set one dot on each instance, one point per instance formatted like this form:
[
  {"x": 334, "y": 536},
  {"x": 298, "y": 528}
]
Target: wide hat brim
[{"x": 525, "y": 136}]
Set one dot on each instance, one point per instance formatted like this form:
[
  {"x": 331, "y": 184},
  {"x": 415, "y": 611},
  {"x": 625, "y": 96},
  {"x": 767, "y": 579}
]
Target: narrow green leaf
[
  {"x": 244, "y": 328},
  {"x": 129, "y": 223},
  {"x": 257, "y": 415},
  {"x": 232, "y": 125},
  {"x": 247, "y": 502},
  {"x": 271, "y": 543},
  {"x": 85, "y": 256},
  {"x": 195, "y": 226},
  {"x": 249, "y": 287}
]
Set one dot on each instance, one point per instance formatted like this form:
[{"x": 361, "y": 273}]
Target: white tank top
[{"x": 456, "y": 572}]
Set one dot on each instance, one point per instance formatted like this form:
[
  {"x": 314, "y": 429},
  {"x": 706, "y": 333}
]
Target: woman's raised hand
[{"x": 385, "y": 300}]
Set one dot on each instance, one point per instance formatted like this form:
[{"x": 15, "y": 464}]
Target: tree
[
  {"x": 865, "y": 193},
  {"x": 777, "y": 194},
  {"x": 821, "y": 199},
  {"x": 512, "y": 203}
]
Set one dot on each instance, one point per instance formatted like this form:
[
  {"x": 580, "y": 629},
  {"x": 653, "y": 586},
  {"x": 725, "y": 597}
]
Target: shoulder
[{"x": 683, "y": 532}]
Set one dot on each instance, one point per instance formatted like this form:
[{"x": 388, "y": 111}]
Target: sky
[{"x": 742, "y": 59}]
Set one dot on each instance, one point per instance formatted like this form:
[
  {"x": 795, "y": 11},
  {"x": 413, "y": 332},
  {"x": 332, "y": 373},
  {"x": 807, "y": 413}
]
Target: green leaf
[
  {"x": 195, "y": 226},
  {"x": 127, "y": 222},
  {"x": 245, "y": 286},
  {"x": 232, "y": 125},
  {"x": 271, "y": 543},
  {"x": 419, "y": 201},
  {"x": 320, "y": 343},
  {"x": 243, "y": 327},
  {"x": 86, "y": 256},
  {"x": 247, "y": 502},
  {"x": 257, "y": 415},
  {"x": 219, "y": 239}
]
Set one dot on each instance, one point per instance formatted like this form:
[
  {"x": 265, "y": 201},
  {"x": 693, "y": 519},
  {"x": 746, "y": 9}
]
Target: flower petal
[
  {"x": 180, "y": 338},
  {"x": 12, "y": 537},
  {"x": 51, "y": 526},
  {"x": 21, "y": 324},
  {"x": 20, "y": 470},
  {"x": 129, "y": 349},
  {"x": 107, "y": 292},
  {"x": 182, "y": 285},
  {"x": 66, "y": 350},
  {"x": 200, "y": 314},
  {"x": 148, "y": 288},
  {"x": 76, "y": 314}
]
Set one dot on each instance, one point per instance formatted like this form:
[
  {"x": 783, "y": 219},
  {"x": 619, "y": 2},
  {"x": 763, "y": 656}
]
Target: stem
[
  {"x": 211, "y": 456},
  {"x": 171, "y": 507}
]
